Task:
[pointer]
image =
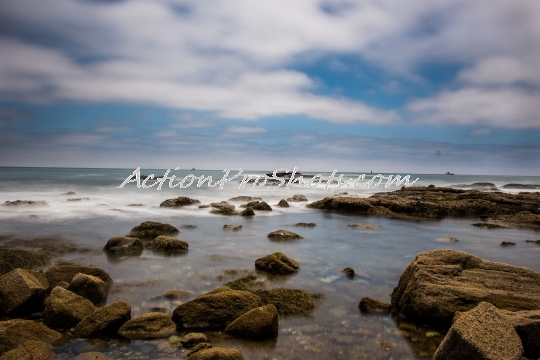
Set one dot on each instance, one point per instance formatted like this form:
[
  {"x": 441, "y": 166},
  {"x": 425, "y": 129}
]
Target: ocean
[{"x": 100, "y": 209}]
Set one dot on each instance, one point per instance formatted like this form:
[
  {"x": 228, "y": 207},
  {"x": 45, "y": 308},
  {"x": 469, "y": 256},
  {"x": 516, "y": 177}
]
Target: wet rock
[
  {"x": 90, "y": 287},
  {"x": 192, "y": 339},
  {"x": 244, "y": 198},
  {"x": 15, "y": 332},
  {"x": 259, "y": 323},
  {"x": 297, "y": 198},
  {"x": 26, "y": 203},
  {"x": 199, "y": 347},
  {"x": 78, "y": 199},
  {"x": 176, "y": 294},
  {"x": 188, "y": 226},
  {"x": 124, "y": 245},
  {"x": 349, "y": 272},
  {"x": 21, "y": 291},
  {"x": 104, "y": 321},
  {"x": 14, "y": 258},
  {"x": 303, "y": 224},
  {"x": 156, "y": 226},
  {"x": 167, "y": 244},
  {"x": 258, "y": 205},
  {"x": 365, "y": 226},
  {"x": 533, "y": 241},
  {"x": 283, "y": 235},
  {"x": 248, "y": 283},
  {"x": 248, "y": 212},
  {"x": 64, "y": 309},
  {"x": 283, "y": 203},
  {"x": 29, "y": 350},
  {"x": 508, "y": 243},
  {"x": 521, "y": 186},
  {"x": 369, "y": 305},
  {"x": 277, "y": 263},
  {"x": 232, "y": 227},
  {"x": 146, "y": 234},
  {"x": 216, "y": 308},
  {"x": 224, "y": 211},
  {"x": 69, "y": 193},
  {"x": 66, "y": 272},
  {"x": 150, "y": 325},
  {"x": 222, "y": 205},
  {"x": 63, "y": 284},
  {"x": 527, "y": 326},
  {"x": 217, "y": 353},
  {"x": 92, "y": 355},
  {"x": 524, "y": 218},
  {"x": 448, "y": 239},
  {"x": 289, "y": 302},
  {"x": 480, "y": 333},
  {"x": 489, "y": 226},
  {"x": 440, "y": 282},
  {"x": 178, "y": 202}
]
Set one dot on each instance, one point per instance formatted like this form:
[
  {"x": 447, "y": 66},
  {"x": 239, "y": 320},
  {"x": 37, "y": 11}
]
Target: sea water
[{"x": 336, "y": 329}]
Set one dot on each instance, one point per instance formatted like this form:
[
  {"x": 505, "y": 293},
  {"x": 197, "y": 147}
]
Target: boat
[{"x": 449, "y": 173}]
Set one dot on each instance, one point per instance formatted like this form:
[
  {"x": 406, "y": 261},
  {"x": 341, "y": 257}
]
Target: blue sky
[{"x": 416, "y": 86}]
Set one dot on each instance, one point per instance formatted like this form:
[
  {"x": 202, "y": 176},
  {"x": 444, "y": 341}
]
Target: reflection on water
[{"x": 336, "y": 329}]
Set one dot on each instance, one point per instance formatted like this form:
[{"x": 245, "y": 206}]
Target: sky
[{"x": 386, "y": 86}]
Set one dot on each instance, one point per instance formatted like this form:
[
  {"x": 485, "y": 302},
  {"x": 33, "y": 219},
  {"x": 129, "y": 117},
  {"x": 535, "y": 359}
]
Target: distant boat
[
  {"x": 449, "y": 173},
  {"x": 193, "y": 169}
]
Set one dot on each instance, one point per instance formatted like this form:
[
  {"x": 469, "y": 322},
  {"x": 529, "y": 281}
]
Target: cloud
[
  {"x": 246, "y": 130},
  {"x": 480, "y": 132}
]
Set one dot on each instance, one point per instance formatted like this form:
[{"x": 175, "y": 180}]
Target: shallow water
[{"x": 336, "y": 328}]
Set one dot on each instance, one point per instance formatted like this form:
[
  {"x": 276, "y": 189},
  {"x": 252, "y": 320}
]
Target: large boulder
[
  {"x": 527, "y": 325},
  {"x": 440, "y": 282},
  {"x": 90, "y": 287},
  {"x": 66, "y": 272},
  {"x": 150, "y": 325},
  {"x": 283, "y": 203},
  {"x": 217, "y": 308},
  {"x": 153, "y": 225},
  {"x": 297, "y": 198},
  {"x": 480, "y": 333},
  {"x": 258, "y": 205},
  {"x": 248, "y": 212},
  {"x": 289, "y": 302},
  {"x": 21, "y": 291},
  {"x": 124, "y": 245},
  {"x": 16, "y": 332},
  {"x": 283, "y": 235},
  {"x": 178, "y": 202},
  {"x": 277, "y": 263},
  {"x": 15, "y": 258},
  {"x": 30, "y": 350},
  {"x": 164, "y": 243},
  {"x": 259, "y": 323},
  {"x": 64, "y": 309},
  {"x": 104, "y": 321},
  {"x": 217, "y": 353}
]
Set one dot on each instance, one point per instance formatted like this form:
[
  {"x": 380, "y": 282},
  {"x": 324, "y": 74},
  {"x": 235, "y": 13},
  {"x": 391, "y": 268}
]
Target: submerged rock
[
  {"x": 508, "y": 243},
  {"x": 66, "y": 272},
  {"x": 259, "y": 323},
  {"x": 147, "y": 229},
  {"x": 217, "y": 353},
  {"x": 31, "y": 349},
  {"x": 64, "y": 309},
  {"x": 440, "y": 282},
  {"x": 283, "y": 235},
  {"x": 90, "y": 287},
  {"x": 283, "y": 203},
  {"x": 448, "y": 239},
  {"x": 232, "y": 227},
  {"x": 244, "y": 198},
  {"x": 277, "y": 263},
  {"x": 21, "y": 292},
  {"x": 26, "y": 203},
  {"x": 289, "y": 302},
  {"x": 217, "y": 308},
  {"x": 167, "y": 244},
  {"x": 92, "y": 355},
  {"x": 369, "y": 305},
  {"x": 480, "y": 333},
  {"x": 365, "y": 226},
  {"x": 178, "y": 202},
  {"x": 248, "y": 212},
  {"x": 533, "y": 241},
  {"x": 14, "y": 258},
  {"x": 489, "y": 226},
  {"x": 349, "y": 272},
  {"x": 124, "y": 245},
  {"x": 199, "y": 347},
  {"x": 146, "y": 234},
  {"x": 192, "y": 339},
  {"x": 303, "y": 224},
  {"x": 258, "y": 205},
  {"x": 104, "y": 321},
  {"x": 224, "y": 211},
  {"x": 176, "y": 294},
  {"x": 14, "y": 333},
  {"x": 150, "y": 325},
  {"x": 297, "y": 198}
]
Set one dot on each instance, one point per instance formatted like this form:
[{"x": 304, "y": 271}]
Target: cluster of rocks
[
  {"x": 492, "y": 309},
  {"x": 26, "y": 203}
]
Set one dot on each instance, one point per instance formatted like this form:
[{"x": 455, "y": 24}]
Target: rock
[
  {"x": 167, "y": 244},
  {"x": 283, "y": 203},
  {"x": 440, "y": 282},
  {"x": 244, "y": 198},
  {"x": 258, "y": 205},
  {"x": 21, "y": 291},
  {"x": 176, "y": 294},
  {"x": 365, "y": 226},
  {"x": 248, "y": 212},
  {"x": 533, "y": 241},
  {"x": 78, "y": 199},
  {"x": 349, "y": 272},
  {"x": 521, "y": 186},
  {"x": 217, "y": 353},
  {"x": 489, "y": 226},
  {"x": 69, "y": 193},
  {"x": 188, "y": 226},
  {"x": 92, "y": 355},
  {"x": 283, "y": 235},
  {"x": 124, "y": 245},
  {"x": 369, "y": 305},
  {"x": 527, "y": 326},
  {"x": 90, "y": 287},
  {"x": 217, "y": 308},
  {"x": 480, "y": 333},
  {"x": 146, "y": 234},
  {"x": 104, "y": 321},
  {"x": 16, "y": 332},
  {"x": 26, "y": 203},
  {"x": 222, "y": 205},
  {"x": 224, "y": 211},
  {"x": 297, "y": 198},
  {"x": 178, "y": 202},
  {"x": 232, "y": 227},
  {"x": 303, "y": 224},
  {"x": 14, "y": 258},
  {"x": 448, "y": 239},
  {"x": 524, "y": 218},
  {"x": 192, "y": 339},
  {"x": 259, "y": 323},
  {"x": 64, "y": 309},
  {"x": 150, "y": 325},
  {"x": 199, "y": 347},
  {"x": 153, "y": 225},
  {"x": 508, "y": 243},
  {"x": 30, "y": 350},
  {"x": 277, "y": 263},
  {"x": 63, "y": 284},
  {"x": 289, "y": 302},
  {"x": 66, "y": 272}
]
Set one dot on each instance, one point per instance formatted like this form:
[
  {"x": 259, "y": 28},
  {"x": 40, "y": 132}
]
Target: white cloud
[
  {"x": 500, "y": 70},
  {"x": 480, "y": 132},
  {"x": 246, "y": 129}
]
